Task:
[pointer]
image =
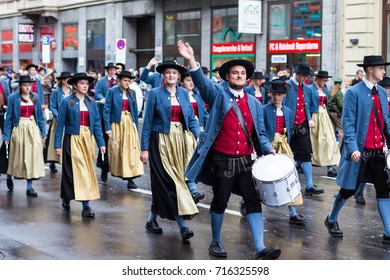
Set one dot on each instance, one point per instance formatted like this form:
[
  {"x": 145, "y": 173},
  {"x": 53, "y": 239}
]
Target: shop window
[
  {"x": 225, "y": 27},
  {"x": 96, "y": 35},
  {"x": 6, "y": 42},
  {"x": 279, "y": 21},
  {"x": 70, "y": 37}
]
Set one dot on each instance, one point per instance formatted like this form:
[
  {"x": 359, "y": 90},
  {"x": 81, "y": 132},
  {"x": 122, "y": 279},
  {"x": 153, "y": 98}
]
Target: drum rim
[{"x": 278, "y": 180}]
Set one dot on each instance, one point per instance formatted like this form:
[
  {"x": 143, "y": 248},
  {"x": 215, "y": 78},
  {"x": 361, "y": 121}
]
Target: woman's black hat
[
  {"x": 322, "y": 74},
  {"x": 64, "y": 75},
  {"x": 170, "y": 64},
  {"x": 25, "y": 79},
  {"x": 126, "y": 74},
  {"x": 80, "y": 76}
]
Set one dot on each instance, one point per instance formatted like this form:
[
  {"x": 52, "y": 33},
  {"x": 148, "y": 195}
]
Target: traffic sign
[
  {"x": 45, "y": 49},
  {"x": 120, "y": 51}
]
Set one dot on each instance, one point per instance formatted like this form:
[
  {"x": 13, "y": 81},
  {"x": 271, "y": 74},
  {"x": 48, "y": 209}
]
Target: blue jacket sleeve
[
  {"x": 53, "y": 103},
  {"x": 40, "y": 119},
  {"x": 349, "y": 121},
  {"x": 107, "y": 110},
  {"x": 148, "y": 120},
  {"x": 134, "y": 109},
  {"x": 60, "y": 124},
  {"x": 146, "y": 78},
  {"x": 97, "y": 129},
  {"x": 8, "y": 121},
  {"x": 99, "y": 90}
]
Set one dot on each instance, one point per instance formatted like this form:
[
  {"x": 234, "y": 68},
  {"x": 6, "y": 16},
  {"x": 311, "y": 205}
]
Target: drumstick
[
  {"x": 102, "y": 156},
  {"x": 6, "y": 150}
]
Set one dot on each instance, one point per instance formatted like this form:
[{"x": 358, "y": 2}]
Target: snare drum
[{"x": 276, "y": 180}]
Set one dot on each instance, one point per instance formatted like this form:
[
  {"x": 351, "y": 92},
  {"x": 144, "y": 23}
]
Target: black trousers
[
  {"x": 232, "y": 174},
  {"x": 372, "y": 169},
  {"x": 300, "y": 142}
]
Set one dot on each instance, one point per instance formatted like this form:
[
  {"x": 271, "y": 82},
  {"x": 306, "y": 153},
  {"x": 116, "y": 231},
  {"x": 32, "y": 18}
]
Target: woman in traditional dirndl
[
  {"x": 78, "y": 123},
  {"x": 25, "y": 132},
  {"x": 121, "y": 123},
  {"x": 168, "y": 124},
  {"x": 202, "y": 116},
  {"x": 323, "y": 141},
  {"x": 63, "y": 90}
]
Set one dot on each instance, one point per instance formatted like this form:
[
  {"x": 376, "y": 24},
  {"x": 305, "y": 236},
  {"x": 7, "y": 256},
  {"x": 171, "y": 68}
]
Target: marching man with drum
[
  {"x": 223, "y": 155},
  {"x": 365, "y": 126}
]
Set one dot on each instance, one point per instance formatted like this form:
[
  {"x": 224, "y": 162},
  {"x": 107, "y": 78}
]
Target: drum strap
[{"x": 242, "y": 122}]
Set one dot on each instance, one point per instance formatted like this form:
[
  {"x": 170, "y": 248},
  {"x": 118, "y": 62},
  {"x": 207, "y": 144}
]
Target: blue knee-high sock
[
  {"x": 180, "y": 221},
  {"x": 216, "y": 226},
  {"x": 85, "y": 204},
  {"x": 256, "y": 225},
  {"x": 191, "y": 186},
  {"x": 29, "y": 184},
  {"x": 360, "y": 190},
  {"x": 293, "y": 210},
  {"x": 152, "y": 217},
  {"x": 337, "y": 205},
  {"x": 384, "y": 212},
  {"x": 308, "y": 172}
]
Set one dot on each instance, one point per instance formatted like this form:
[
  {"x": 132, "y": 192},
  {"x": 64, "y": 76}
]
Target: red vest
[
  {"x": 300, "y": 114},
  {"x": 231, "y": 139},
  {"x": 374, "y": 139}
]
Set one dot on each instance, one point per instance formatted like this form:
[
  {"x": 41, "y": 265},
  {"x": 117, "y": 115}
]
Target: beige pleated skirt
[
  {"x": 26, "y": 151},
  {"x": 124, "y": 159},
  {"x": 280, "y": 143},
  {"x": 83, "y": 157},
  {"x": 51, "y": 155},
  {"x": 176, "y": 149},
  {"x": 323, "y": 141}
]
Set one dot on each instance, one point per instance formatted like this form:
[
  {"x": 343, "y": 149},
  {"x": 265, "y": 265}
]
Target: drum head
[{"x": 272, "y": 167}]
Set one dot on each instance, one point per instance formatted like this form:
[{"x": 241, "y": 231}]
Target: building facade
[{"x": 332, "y": 35}]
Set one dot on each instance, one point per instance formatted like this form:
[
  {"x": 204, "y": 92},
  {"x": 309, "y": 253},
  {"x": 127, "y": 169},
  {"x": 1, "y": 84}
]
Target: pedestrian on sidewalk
[
  {"x": 225, "y": 148},
  {"x": 25, "y": 132},
  {"x": 366, "y": 124},
  {"x": 168, "y": 141},
  {"x": 121, "y": 123},
  {"x": 77, "y": 123}
]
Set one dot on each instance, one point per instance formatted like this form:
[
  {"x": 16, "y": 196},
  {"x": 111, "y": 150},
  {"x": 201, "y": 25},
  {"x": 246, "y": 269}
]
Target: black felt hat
[
  {"x": 64, "y": 75},
  {"x": 125, "y": 74},
  {"x": 303, "y": 68},
  {"x": 110, "y": 65},
  {"x": 385, "y": 82},
  {"x": 322, "y": 74},
  {"x": 31, "y": 65},
  {"x": 170, "y": 64},
  {"x": 224, "y": 69},
  {"x": 80, "y": 76},
  {"x": 277, "y": 85},
  {"x": 373, "y": 60},
  {"x": 258, "y": 75},
  {"x": 25, "y": 79}
]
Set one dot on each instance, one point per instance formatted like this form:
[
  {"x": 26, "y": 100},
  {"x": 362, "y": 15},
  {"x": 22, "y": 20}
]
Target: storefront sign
[
  {"x": 294, "y": 46},
  {"x": 249, "y": 16},
  {"x": 233, "y": 48},
  {"x": 279, "y": 58},
  {"x": 26, "y": 33}
]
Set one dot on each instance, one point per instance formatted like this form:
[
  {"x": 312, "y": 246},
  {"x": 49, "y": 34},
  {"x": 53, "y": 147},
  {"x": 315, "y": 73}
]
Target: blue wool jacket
[
  {"x": 7, "y": 90},
  {"x": 355, "y": 119},
  {"x": 203, "y": 115},
  {"x": 101, "y": 92},
  {"x": 251, "y": 90},
  {"x": 155, "y": 79},
  {"x": 55, "y": 101},
  {"x": 290, "y": 100},
  {"x": 113, "y": 107},
  {"x": 220, "y": 101},
  {"x": 158, "y": 114},
  {"x": 39, "y": 92},
  {"x": 269, "y": 112},
  {"x": 69, "y": 117},
  {"x": 13, "y": 115},
  {"x": 314, "y": 98}
]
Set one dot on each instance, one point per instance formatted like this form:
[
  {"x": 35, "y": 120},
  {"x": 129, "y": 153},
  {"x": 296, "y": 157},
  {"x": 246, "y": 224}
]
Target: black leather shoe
[
  {"x": 332, "y": 173},
  {"x": 217, "y": 250},
  {"x": 243, "y": 208},
  {"x": 65, "y": 204},
  {"x": 313, "y": 191},
  {"x": 268, "y": 254},
  {"x": 88, "y": 213},
  {"x": 386, "y": 240},
  {"x": 31, "y": 193},
  {"x": 131, "y": 185},
  {"x": 197, "y": 196},
  {"x": 186, "y": 233},
  {"x": 10, "y": 184},
  {"x": 103, "y": 176},
  {"x": 53, "y": 168},
  {"x": 333, "y": 228},
  {"x": 298, "y": 220},
  {"x": 153, "y": 226},
  {"x": 359, "y": 199}
]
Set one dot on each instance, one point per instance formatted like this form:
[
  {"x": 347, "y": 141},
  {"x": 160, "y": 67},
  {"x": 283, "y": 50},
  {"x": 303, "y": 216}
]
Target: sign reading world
[{"x": 26, "y": 33}]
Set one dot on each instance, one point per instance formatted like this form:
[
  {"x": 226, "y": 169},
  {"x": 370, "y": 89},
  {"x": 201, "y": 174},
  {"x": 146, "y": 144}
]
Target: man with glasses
[{"x": 298, "y": 100}]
